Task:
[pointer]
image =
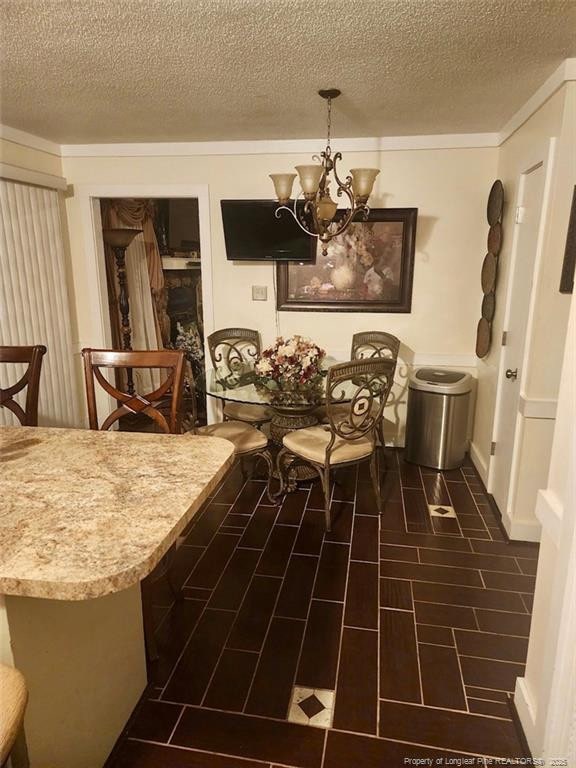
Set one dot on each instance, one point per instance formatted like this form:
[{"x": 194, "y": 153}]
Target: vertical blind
[{"x": 34, "y": 304}]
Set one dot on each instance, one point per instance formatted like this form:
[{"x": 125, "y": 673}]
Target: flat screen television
[{"x": 253, "y": 233}]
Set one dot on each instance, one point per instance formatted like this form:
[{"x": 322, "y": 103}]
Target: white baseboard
[
  {"x": 550, "y": 513},
  {"x": 526, "y": 708},
  {"x": 522, "y": 530},
  {"x": 479, "y": 462}
]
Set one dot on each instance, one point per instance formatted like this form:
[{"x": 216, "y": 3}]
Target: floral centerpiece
[{"x": 290, "y": 365}]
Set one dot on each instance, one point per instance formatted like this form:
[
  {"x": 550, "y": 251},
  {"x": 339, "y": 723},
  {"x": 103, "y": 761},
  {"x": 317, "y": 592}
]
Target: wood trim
[{"x": 408, "y": 216}]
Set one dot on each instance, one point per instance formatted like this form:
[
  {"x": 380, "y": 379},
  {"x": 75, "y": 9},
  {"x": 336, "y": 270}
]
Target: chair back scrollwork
[
  {"x": 370, "y": 381},
  {"x": 27, "y": 416},
  {"x": 147, "y": 404},
  {"x": 234, "y": 351},
  {"x": 367, "y": 344}
]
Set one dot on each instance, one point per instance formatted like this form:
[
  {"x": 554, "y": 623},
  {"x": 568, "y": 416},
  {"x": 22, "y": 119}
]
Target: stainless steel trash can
[{"x": 437, "y": 419}]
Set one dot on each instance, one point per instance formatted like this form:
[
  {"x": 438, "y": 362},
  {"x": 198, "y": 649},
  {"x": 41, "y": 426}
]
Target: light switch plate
[{"x": 259, "y": 293}]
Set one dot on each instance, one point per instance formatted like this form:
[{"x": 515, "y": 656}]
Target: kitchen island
[{"x": 84, "y": 517}]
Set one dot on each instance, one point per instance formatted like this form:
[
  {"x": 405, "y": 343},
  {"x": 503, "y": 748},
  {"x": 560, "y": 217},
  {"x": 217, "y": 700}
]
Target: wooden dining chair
[
  {"x": 352, "y": 430},
  {"x": 170, "y": 360},
  {"x": 27, "y": 416},
  {"x": 173, "y": 362},
  {"x": 232, "y": 351}
]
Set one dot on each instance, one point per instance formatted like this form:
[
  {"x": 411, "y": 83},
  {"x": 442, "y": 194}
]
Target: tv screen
[{"x": 253, "y": 233}]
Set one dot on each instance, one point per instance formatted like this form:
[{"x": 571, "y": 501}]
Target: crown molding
[
  {"x": 17, "y": 136},
  {"x": 280, "y": 146},
  {"x": 563, "y": 74}
]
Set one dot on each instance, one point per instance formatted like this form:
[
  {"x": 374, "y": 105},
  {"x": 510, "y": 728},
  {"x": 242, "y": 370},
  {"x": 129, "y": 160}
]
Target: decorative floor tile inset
[
  {"x": 311, "y": 706},
  {"x": 441, "y": 510}
]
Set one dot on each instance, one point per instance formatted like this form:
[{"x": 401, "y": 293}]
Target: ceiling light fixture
[{"x": 317, "y": 217}]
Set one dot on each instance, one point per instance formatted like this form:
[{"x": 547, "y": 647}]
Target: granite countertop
[{"x": 86, "y": 513}]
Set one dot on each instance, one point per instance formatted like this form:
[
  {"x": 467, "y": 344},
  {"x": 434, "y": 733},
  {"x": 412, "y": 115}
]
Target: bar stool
[{"x": 13, "y": 699}]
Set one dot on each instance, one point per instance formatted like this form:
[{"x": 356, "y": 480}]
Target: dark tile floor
[{"x": 390, "y": 638}]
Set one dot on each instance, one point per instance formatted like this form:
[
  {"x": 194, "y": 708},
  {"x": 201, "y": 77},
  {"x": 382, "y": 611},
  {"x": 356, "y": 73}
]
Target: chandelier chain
[{"x": 329, "y": 120}]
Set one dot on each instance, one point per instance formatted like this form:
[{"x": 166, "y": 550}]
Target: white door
[{"x": 528, "y": 215}]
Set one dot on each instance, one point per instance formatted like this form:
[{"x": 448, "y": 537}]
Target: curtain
[
  {"x": 145, "y": 281},
  {"x": 34, "y": 302}
]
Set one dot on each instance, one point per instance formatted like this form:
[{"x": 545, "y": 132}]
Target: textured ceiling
[{"x": 79, "y": 71}]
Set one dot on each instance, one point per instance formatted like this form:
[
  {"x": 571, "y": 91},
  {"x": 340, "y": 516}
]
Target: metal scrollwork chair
[
  {"x": 27, "y": 416},
  {"x": 356, "y": 393},
  {"x": 374, "y": 344},
  {"x": 367, "y": 345},
  {"x": 234, "y": 351}
]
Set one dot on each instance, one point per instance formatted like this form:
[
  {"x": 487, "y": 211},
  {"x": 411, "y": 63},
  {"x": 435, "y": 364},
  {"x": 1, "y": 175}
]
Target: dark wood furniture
[
  {"x": 171, "y": 360},
  {"x": 353, "y": 426},
  {"x": 27, "y": 416},
  {"x": 232, "y": 350}
]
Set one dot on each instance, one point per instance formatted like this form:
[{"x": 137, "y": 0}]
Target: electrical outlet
[{"x": 259, "y": 293}]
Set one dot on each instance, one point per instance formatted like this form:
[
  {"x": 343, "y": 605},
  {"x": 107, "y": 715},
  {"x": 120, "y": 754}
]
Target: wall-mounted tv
[{"x": 253, "y": 233}]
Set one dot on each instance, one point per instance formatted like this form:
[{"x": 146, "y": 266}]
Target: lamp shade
[
  {"x": 119, "y": 238},
  {"x": 283, "y": 185},
  {"x": 310, "y": 176},
  {"x": 362, "y": 182},
  {"x": 326, "y": 208}
]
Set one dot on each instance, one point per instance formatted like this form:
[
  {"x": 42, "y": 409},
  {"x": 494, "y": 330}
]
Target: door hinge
[
  {"x": 492, "y": 449},
  {"x": 504, "y": 338},
  {"x": 520, "y": 211}
]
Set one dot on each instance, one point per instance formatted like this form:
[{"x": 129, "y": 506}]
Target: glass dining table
[{"x": 291, "y": 409}]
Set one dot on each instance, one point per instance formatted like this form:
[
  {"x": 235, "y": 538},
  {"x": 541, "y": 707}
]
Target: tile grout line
[
  {"x": 464, "y": 712},
  {"x": 417, "y": 650},
  {"x": 447, "y": 486},
  {"x": 457, "y": 652},
  {"x": 352, "y": 529},
  {"x": 273, "y": 612},
  {"x": 201, "y": 615},
  {"x": 477, "y": 508},
  {"x": 312, "y": 599},
  {"x": 176, "y": 724},
  {"x": 224, "y": 644}
]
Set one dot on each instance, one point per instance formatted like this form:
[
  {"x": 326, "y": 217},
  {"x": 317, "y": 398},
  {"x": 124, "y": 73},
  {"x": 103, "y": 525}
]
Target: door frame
[
  {"x": 543, "y": 155},
  {"x": 89, "y": 197}
]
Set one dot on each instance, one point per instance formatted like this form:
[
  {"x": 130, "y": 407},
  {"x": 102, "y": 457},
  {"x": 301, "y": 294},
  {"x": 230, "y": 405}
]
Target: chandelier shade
[{"x": 319, "y": 216}]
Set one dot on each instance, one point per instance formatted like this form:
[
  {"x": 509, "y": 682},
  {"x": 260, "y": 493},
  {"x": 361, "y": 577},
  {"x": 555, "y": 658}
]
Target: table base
[{"x": 287, "y": 420}]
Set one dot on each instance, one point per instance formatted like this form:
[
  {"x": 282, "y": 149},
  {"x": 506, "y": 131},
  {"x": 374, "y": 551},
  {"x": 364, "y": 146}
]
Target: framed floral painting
[{"x": 368, "y": 268}]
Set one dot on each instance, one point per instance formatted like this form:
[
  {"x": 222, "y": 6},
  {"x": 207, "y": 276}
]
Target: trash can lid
[{"x": 441, "y": 381}]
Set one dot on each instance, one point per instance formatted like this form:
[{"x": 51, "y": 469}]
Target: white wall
[
  {"x": 546, "y": 695},
  {"x": 449, "y": 187},
  {"x": 547, "y": 331}
]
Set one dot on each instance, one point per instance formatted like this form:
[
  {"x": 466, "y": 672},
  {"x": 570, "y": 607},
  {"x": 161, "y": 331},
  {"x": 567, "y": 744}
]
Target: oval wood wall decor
[
  {"x": 488, "y": 276},
  {"x": 483, "y": 337},
  {"x": 495, "y": 206},
  {"x": 495, "y": 238},
  {"x": 494, "y": 214}
]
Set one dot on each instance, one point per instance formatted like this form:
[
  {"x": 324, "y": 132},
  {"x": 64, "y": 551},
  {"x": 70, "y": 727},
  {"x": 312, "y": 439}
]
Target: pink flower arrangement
[{"x": 292, "y": 362}]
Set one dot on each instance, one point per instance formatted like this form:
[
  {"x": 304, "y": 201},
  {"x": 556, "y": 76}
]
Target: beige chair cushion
[
  {"x": 247, "y": 412},
  {"x": 244, "y": 437},
  {"x": 13, "y": 698},
  {"x": 311, "y": 444}
]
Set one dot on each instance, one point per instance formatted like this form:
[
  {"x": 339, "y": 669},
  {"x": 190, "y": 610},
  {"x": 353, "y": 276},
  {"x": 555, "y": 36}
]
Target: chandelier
[{"x": 317, "y": 217}]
